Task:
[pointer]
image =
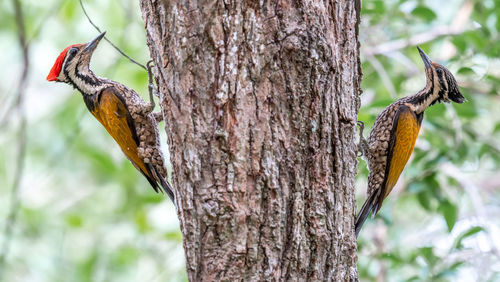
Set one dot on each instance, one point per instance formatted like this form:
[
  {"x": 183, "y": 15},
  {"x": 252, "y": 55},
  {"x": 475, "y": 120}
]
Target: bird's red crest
[{"x": 56, "y": 68}]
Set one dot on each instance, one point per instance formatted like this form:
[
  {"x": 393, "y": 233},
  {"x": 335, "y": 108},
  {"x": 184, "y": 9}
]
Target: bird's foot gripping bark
[
  {"x": 363, "y": 144},
  {"x": 149, "y": 107},
  {"x": 158, "y": 116},
  {"x": 153, "y": 91}
]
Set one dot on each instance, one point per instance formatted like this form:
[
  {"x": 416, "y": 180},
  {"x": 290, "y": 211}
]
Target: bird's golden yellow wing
[
  {"x": 112, "y": 113},
  {"x": 405, "y": 131}
]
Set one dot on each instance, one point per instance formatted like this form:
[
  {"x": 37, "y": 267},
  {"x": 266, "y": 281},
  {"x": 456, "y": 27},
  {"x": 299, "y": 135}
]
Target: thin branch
[
  {"x": 9, "y": 106},
  {"x": 457, "y": 26},
  {"x": 105, "y": 38},
  {"x": 21, "y": 145}
]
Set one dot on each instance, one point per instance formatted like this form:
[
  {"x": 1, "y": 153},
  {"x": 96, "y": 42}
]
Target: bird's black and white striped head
[
  {"x": 441, "y": 84},
  {"x": 72, "y": 66}
]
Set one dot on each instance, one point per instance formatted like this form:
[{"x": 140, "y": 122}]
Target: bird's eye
[
  {"x": 72, "y": 51},
  {"x": 439, "y": 70}
]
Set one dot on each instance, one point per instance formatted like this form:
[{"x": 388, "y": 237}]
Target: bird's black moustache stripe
[
  {"x": 66, "y": 73},
  {"x": 443, "y": 87},
  {"x": 88, "y": 98},
  {"x": 441, "y": 81},
  {"x": 92, "y": 80}
]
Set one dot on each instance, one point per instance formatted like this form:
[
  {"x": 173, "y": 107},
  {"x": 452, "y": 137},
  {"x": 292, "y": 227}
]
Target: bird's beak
[
  {"x": 90, "y": 47},
  {"x": 425, "y": 58}
]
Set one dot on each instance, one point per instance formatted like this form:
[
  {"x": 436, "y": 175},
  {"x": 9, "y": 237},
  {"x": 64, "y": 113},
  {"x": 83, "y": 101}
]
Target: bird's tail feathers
[
  {"x": 166, "y": 187},
  {"x": 367, "y": 207}
]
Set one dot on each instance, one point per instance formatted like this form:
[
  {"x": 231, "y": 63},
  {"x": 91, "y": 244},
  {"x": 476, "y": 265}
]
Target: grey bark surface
[{"x": 260, "y": 100}]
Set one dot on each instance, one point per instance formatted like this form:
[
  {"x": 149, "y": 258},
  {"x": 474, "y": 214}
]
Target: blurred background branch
[
  {"x": 457, "y": 26},
  {"x": 10, "y": 223}
]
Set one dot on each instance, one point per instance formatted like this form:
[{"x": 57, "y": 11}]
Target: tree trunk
[{"x": 260, "y": 101}]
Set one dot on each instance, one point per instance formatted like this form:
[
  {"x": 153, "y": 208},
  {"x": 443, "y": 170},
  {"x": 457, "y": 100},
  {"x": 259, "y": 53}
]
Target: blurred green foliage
[
  {"x": 441, "y": 221},
  {"x": 87, "y": 215}
]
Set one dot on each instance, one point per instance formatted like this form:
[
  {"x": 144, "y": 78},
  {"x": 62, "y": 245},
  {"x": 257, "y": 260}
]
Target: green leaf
[
  {"x": 382, "y": 103},
  {"x": 424, "y": 200},
  {"x": 424, "y": 13},
  {"x": 450, "y": 213},
  {"x": 466, "y": 71},
  {"x": 460, "y": 43},
  {"x": 413, "y": 278},
  {"x": 68, "y": 10},
  {"x": 373, "y": 7},
  {"x": 74, "y": 220},
  {"x": 468, "y": 233},
  {"x": 498, "y": 19},
  {"x": 141, "y": 221},
  {"x": 468, "y": 109},
  {"x": 476, "y": 37},
  {"x": 174, "y": 236},
  {"x": 428, "y": 254},
  {"x": 126, "y": 255},
  {"x": 152, "y": 198}
]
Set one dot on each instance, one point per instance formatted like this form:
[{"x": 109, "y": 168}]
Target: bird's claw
[
  {"x": 151, "y": 87},
  {"x": 361, "y": 125},
  {"x": 363, "y": 145}
]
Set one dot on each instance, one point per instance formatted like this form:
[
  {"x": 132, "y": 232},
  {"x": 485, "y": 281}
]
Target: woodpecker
[
  {"x": 123, "y": 113},
  {"x": 395, "y": 132}
]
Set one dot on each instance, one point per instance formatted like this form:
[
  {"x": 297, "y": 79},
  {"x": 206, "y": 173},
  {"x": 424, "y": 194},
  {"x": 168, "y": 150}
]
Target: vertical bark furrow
[{"x": 260, "y": 99}]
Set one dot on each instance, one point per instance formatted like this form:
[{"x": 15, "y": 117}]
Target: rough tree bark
[{"x": 261, "y": 101}]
